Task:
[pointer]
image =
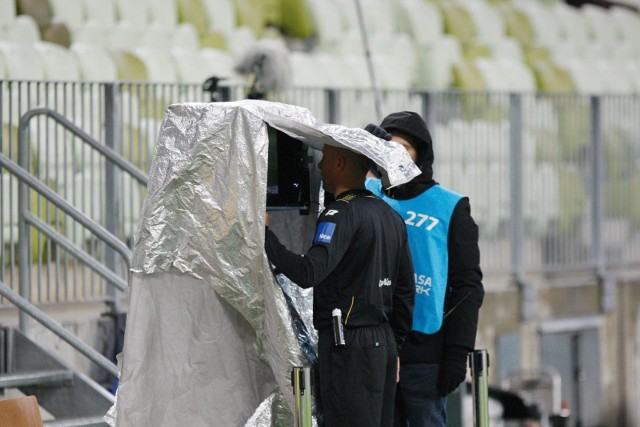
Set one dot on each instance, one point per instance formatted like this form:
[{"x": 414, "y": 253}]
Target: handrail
[
  {"x": 56, "y": 328},
  {"x": 68, "y": 208},
  {"x": 106, "y": 151},
  {"x": 72, "y": 248}
]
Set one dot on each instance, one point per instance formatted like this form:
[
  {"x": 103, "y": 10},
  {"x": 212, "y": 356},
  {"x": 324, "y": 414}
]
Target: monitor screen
[{"x": 288, "y": 172}]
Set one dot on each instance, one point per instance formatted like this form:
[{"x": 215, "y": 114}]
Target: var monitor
[{"x": 288, "y": 173}]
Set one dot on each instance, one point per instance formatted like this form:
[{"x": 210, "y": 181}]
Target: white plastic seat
[
  {"x": 156, "y": 36},
  {"x": 91, "y": 32},
  {"x": 435, "y": 61},
  {"x": 572, "y": 24},
  {"x": 159, "y": 65},
  {"x": 125, "y": 36},
  {"x": 22, "y": 61},
  {"x": 488, "y": 22},
  {"x": 505, "y": 47},
  {"x": 191, "y": 66},
  {"x": 546, "y": 26},
  {"x": 221, "y": 16},
  {"x": 102, "y": 11},
  {"x": 328, "y": 21},
  {"x": 71, "y": 12},
  {"x": 94, "y": 62},
  {"x": 240, "y": 39},
  {"x": 220, "y": 64},
  {"x": 23, "y": 29},
  {"x": 185, "y": 37},
  {"x": 163, "y": 12},
  {"x": 628, "y": 24},
  {"x": 59, "y": 63},
  {"x": 601, "y": 24},
  {"x": 585, "y": 78},
  {"x": 7, "y": 13},
  {"x": 135, "y": 12},
  {"x": 422, "y": 19}
]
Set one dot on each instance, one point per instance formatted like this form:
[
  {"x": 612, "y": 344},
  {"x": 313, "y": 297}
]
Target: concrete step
[{"x": 96, "y": 421}]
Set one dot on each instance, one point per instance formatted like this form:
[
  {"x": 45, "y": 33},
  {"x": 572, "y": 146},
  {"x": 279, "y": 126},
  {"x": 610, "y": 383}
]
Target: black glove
[
  {"x": 376, "y": 130},
  {"x": 453, "y": 369}
]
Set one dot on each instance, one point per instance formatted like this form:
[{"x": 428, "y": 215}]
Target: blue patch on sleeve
[{"x": 324, "y": 232}]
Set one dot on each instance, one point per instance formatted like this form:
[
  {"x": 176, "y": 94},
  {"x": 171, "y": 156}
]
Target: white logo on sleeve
[
  {"x": 384, "y": 282},
  {"x": 331, "y": 212}
]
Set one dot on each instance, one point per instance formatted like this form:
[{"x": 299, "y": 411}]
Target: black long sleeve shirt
[{"x": 359, "y": 262}]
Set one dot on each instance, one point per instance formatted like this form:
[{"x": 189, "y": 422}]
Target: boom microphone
[{"x": 267, "y": 61}]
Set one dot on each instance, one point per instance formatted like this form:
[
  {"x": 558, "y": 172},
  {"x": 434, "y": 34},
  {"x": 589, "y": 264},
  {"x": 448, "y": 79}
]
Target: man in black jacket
[
  {"x": 444, "y": 244},
  {"x": 360, "y": 264}
]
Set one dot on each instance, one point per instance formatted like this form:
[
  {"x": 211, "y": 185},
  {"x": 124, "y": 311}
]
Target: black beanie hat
[{"x": 414, "y": 127}]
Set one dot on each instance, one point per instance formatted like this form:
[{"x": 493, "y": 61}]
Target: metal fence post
[
  {"x": 479, "y": 362},
  {"x": 607, "y": 287},
  {"x": 517, "y": 203},
  {"x": 429, "y": 111},
  {"x": 333, "y": 113},
  {"x": 24, "y": 231},
  {"x": 112, "y": 179}
]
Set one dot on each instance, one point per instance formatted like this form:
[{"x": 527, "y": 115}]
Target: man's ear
[{"x": 341, "y": 162}]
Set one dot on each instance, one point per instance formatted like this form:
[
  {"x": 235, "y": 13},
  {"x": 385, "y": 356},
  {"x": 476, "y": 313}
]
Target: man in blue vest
[{"x": 443, "y": 238}]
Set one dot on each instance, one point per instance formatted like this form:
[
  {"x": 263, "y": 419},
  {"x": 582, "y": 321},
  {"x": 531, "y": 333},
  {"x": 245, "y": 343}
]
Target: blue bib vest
[{"x": 427, "y": 218}]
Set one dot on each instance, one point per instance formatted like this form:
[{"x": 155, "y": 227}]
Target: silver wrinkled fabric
[{"x": 209, "y": 334}]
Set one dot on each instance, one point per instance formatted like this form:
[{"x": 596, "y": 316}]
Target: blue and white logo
[{"x": 324, "y": 232}]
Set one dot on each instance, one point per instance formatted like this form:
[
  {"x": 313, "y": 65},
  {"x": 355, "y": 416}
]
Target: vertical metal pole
[
  {"x": 333, "y": 112},
  {"x": 306, "y": 401},
  {"x": 429, "y": 111},
  {"x": 367, "y": 54},
  {"x": 112, "y": 175},
  {"x": 479, "y": 361},
  {"x": 295, "y": 383},
  {"x": 301, "y": 383},
  {"x": 24, "y": 233},
  {"x": 517, "y": 203},
  {"x": 607, "y": 287}
]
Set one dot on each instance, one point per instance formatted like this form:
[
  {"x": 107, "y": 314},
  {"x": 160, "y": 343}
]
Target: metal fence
[{"x": 553, "y": 179}]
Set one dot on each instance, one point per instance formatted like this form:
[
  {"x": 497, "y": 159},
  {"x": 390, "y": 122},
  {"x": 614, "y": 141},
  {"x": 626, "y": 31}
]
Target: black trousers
[{"x": 358, "y": 380}]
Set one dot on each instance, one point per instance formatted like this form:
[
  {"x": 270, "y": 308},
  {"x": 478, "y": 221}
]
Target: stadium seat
[
  {"x": 124, "y": 36},
  {"x": 158, "y": 64},
  {"x": 220, "y": 64},
  {"x": 191, "y": 66},
  {"x": 23, "y": 29},
  {"x": 627, "y": 24},
  {"x": 7, "y": 14},
  {"x": 422, "y": 20},
  {"x": 185, "y": 37},
  {"x": 59, "y": 63},
  {"x": 221, "y": 16},
  {"x": 584, "y": 75},
  {"x": 601, "y": 24},
  {"x": 94, "y": 62},
  {"x": 328, "y": 21},
  {"x": 71, "y": 12},
  {"x": 22, "y": 61},
  {"x": 135, "y": 12},
  {"x": 102, "y": 11},
  {"x": 91, "y": 32},
  {"x": 488, "y": 22},
  {"x": 436, "y": 61},
  {"x": 164, "y": 12}
]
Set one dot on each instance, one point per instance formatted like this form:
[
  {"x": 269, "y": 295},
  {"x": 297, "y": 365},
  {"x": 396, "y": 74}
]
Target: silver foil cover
[{"x": 203, "y": 219}]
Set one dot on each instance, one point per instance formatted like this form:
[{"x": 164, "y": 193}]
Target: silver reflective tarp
[{"x": 209, "y": 337}]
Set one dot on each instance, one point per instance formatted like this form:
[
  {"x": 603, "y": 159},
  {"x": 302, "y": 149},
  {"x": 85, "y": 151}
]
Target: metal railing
[{"x": 550, "y": 176}]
